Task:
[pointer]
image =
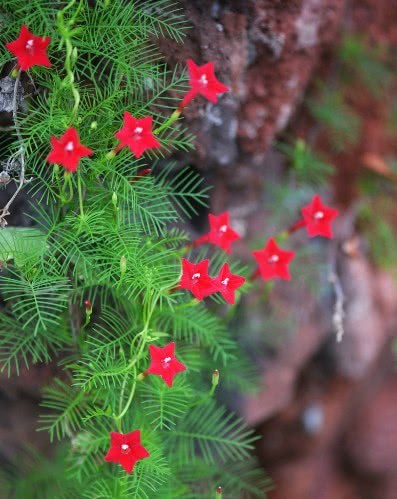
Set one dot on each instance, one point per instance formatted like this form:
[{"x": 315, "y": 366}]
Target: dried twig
[
  {"x": 333, "y": 277},
  {"x": 5, "y": 211},
  {"x": 339, "y": 312},
  {"x": 345, "y": 231}
]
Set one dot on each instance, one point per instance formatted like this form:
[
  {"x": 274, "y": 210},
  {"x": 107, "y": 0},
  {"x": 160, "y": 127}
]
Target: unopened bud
[
  {"x": 215, "y": 377},
  {"x": 111, "y": 154},
  {"x": 141, "y": 173},
  {"x": 94, "y": 125},
  {"x": 123, "y": 265},
  {"x": 88, "y": 307},
  {"x": 74, "y": 54},
  {"x": 114, "y": 199},
  {"x": 144, "y": 172},
  {"x": 218, "y": 493}
]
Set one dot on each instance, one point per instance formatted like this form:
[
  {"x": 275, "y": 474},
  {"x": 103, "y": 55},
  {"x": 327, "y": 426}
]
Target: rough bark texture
[{"x": 327, "y": 409}]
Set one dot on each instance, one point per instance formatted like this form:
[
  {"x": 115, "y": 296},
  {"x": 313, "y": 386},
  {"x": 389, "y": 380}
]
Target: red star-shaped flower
[
  {"x": 163, "y": 363},
  {"x": 195, "y": 278},
  {"x": 30, "y": 50},
  {"x": 67, "y": 150},
  {"x": 318, "y": 218},
  {"x": 203, "y": 81},
  {"x": 137, "y": 135},
  {"x": 273, "y": 261},
  {"x": 220, "y": 233},
  {"x": 227, "y": 283},
  {"x": 126, "y": 449}
]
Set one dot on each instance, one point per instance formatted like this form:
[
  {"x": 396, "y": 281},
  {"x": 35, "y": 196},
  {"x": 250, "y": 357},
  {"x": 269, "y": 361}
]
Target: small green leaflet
[{"x": 21, "y": 244}]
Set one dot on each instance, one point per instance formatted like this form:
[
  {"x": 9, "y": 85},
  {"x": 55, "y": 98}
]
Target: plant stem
[
  {"x": 67, "y": 182},
  {"x": 67, "y": 35},
  {"x": 80, "y": 190},
  {"x": 148, "y": 310},
  {"x": 174, "y": 116},
  {"x": 127, "y": 405}
]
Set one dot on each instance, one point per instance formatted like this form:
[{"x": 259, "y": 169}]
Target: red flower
[
  {"x": 318, "y": 218},
  {"x": 203, "y": 81},
  {"x": 195, "y": 278},
  {"x": 126, "y": 449},
  {"x": 163, "y": 363},
  {"x": 227, "y": 283},
  {"x": 273, "y": 261},
  {"x": 137, "y": 134},
  {"x": 67, "y": 150},
  {"x": 30, "y": 50},
  {"x": 220, "y": 233}
]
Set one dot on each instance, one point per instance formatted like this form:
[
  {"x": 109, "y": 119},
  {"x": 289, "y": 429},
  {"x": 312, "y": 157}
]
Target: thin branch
[
  {"x": 339, "y": 312},
  {"x": 333, "y": 277},
  {"x": 338, "y": 315},
  {"x": 345, "y": 231},
  {"x": 5, "y": 211}
]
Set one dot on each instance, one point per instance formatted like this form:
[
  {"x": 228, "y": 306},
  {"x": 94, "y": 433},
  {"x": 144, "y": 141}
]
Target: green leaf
[
  {"x": 36, "y": 299},
  {"x": 163, "y": 407},
  {"x": 213, "y": 433},
  {"x": 67, "y": 410},
  {"x": 21, "y": 244}
]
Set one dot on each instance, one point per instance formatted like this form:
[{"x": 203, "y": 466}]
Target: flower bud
[
  {"x": 218, "y": 493},
  {"x": 74, "y": 54},
  {"x": 114, "y": 199},
  {"x": 94, "y": 125},
  {"x": 215, "y": 378},
  {"x": 110, "y": 155},
  {"x": 88, "y": 306}
]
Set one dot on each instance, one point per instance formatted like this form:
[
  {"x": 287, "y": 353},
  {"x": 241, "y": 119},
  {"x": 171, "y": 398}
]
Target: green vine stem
[
  {"x": 67, "y": 34},
  {"x": 80, "y": 191},
  {"x": 149, "y": 308},
  {"x": 67, "y": 184},
  {"x": 174, "y": 116},
  {"x": 210, "y": 394}
]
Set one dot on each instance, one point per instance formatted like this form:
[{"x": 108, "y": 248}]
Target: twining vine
[{"x": 139, "y": 351}]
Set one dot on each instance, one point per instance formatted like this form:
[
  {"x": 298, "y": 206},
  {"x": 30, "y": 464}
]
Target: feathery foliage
[
  {"x": 341, "y": 122},
  {"x": 107, "y": 234},
  {"x": 309, "y": 167},
  {"x": 365, "y": 63}
]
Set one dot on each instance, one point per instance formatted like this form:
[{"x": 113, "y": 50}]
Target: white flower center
[
  {"x": 29, "y": 44},
  {"x": 203, "y": 79},
  {"x": 225, "y": 281},
  {"x": 274, "y": 259},
  {"x": 196, "y": 276},
  {"x": 137, "y": 133},
  {"x": 69, "y": 146},
  {"x": 223, "y": 228},
  {"x": 319, "y": 215},
  {"x": 125, "y": 446},
  {"x": 165, "y": 363}
]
